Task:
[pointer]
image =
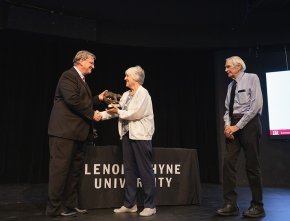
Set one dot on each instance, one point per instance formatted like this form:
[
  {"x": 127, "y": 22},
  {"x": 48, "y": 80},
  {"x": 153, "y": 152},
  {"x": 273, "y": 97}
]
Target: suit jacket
[{"x": 72, "y": 113}]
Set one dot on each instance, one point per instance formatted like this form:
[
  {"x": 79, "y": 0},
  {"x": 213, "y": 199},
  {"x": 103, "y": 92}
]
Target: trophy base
[{"x": 110, "y": 106}]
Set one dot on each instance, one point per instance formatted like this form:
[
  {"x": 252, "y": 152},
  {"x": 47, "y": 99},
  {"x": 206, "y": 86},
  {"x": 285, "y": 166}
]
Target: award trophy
[{"x": 112, "y": 98}]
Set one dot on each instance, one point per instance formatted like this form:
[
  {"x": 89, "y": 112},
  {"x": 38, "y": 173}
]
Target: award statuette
[{"x": 112, "y": 98}]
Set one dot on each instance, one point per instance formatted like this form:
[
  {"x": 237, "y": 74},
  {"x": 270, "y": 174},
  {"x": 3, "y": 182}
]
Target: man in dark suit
[{"x": 70, "y": 126}]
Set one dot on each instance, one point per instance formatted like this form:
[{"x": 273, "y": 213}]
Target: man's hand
[
  {"x": 101, "y": 95},
  {"x": 97, "y": 116},
  {"x": 229, "y": 131}
]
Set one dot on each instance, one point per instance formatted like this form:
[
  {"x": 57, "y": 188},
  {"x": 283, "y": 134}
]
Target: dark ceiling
[{"x": 221, "y": 19}]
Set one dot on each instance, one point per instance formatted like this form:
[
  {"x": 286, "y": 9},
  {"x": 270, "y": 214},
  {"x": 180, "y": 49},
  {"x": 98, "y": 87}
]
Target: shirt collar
[
  {"x": 240, "y": 75},
  {"x": 80, "y": 73}
]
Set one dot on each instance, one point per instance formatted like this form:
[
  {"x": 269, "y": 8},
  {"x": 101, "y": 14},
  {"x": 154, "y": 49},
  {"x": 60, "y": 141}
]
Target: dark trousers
[
  {"x": 137, "y": 159},
  {"x": 247, "y": 139},
  {"x": 66, "y": 161}
]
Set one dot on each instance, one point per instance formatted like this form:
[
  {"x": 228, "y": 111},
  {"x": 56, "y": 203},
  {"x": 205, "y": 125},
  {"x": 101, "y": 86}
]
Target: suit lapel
[
  {"x": 83, "y": 83},
  {"x": 86, "y": 86}
]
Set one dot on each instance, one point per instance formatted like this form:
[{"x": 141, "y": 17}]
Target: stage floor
[{"x": 27, "y": 203}]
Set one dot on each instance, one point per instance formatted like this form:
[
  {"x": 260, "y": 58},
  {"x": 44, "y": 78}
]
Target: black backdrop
[{"x": 180, "y": 81}]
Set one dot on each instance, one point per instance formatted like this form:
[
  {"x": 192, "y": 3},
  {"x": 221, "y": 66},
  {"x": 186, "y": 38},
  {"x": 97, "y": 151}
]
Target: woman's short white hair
[
  {"x": 137, "y": 73},
  {"x": 237, "y": 60}
]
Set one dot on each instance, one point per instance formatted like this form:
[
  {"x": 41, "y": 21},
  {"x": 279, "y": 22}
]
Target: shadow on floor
[{"x": 27, "y": 203}]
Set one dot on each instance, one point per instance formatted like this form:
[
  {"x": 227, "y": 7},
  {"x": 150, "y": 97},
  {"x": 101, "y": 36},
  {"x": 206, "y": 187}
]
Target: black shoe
[
  {"x": 254, "y": 211},
  {"x": 79, "y": 210},
  {"x": 68, "y": 214},
  {"x": 228, "y": 210}
]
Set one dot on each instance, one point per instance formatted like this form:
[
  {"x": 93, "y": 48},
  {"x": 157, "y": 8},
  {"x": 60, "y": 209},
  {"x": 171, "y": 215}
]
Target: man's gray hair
[
  {"x": 82, "y": 56},
  {"x": 137, "y": 73},
  {"x": 237, "y": 60}
]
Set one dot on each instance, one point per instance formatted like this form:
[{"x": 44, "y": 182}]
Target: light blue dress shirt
[{"x": 248, "y": 99}]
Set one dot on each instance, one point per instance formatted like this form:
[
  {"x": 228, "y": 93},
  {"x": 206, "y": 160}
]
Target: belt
[{"x": 237, "y": 116}]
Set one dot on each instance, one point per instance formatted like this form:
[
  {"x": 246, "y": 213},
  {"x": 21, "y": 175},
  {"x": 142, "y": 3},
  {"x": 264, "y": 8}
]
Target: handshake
[{"x": 112, "y": 100}]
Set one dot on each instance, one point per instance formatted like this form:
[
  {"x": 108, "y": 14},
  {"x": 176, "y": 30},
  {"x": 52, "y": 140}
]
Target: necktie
[{"x": 232, "y": 98}]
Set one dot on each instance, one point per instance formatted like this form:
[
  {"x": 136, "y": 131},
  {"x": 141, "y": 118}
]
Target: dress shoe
[
  {"x": 79, "y": 210},
  {"x": 148, "y": 212},
  {"x": 124, "y": 209},
  {"x": 254, "y": 211},
  {"x": 228, "y": 210}
]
